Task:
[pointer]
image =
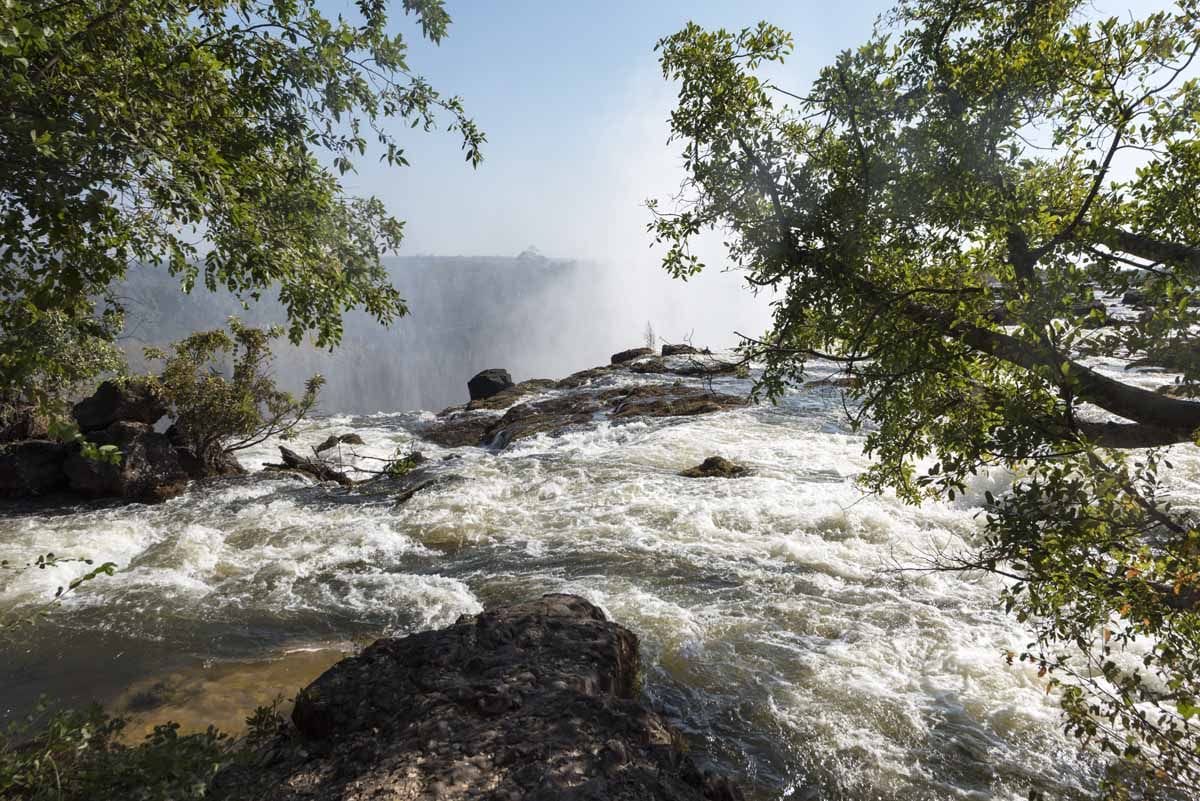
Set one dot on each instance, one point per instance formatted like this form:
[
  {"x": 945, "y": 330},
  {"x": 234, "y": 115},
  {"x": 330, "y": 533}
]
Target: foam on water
[{"x": 778, "y": 631}]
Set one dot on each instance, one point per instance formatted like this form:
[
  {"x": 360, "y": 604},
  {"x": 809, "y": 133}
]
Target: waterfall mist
[{"x": 538, "y": 317}]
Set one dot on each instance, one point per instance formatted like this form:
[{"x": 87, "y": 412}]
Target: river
[{"x": 777, "y": 631}]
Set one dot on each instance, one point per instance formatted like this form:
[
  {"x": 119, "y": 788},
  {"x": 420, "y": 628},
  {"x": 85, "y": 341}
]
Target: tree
[
  {"x": 208, "y": 137},
  {"x": 939, "y": 214},
  {"x": 218, "y": 387}
]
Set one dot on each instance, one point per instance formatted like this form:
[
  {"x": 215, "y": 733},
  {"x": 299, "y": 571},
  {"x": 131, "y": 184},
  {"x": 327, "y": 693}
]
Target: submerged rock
[
  {"x": 716, "y": 467},
  {"x": 131, "y": 401},
  {"x": 487, "y": 383},
  {"x": 149, "y": 467},
  {"x": 536, "y": 700},
  {"x": 32, "y": 467},
  {"x": 630, "y": 355}
]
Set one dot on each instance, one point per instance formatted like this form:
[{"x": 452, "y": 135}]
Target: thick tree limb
[{"x": 1144, "y": 247}]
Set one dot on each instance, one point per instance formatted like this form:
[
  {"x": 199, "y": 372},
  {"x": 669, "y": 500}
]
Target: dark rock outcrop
[
  {"x": 531, "y": 702},
  {"x": 678, "y": 350},
  {"x": 127, "y": 401},
  {"x": 333, "y": 440},
  {"x": 716, "y": 467},
  {"x": 149, "y": 468},
  {"x": 32, "y": 467},
  {"x": 487, "y": 383},
  {"x": 630, "y": 355},
  {"x": 585, "y": 377},
  {"x": 557, "y": 415},
  {"x": 507, "y": 397},
  {"x": 22, "y": 422}
]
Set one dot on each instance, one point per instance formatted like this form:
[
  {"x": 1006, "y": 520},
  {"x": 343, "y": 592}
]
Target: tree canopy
[
  {"x": 941, "y": 213},
  {"x": 208, "y": 137}
]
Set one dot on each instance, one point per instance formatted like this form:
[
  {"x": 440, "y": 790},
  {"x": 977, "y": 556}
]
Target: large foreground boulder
[
  {"x": 487, "y": 383},
  {"x": 536, "y": 701},
  {"x": 32, "y": 467},
  {"x": 131, "y": 401},
  {"x": 149, "y": 468}
]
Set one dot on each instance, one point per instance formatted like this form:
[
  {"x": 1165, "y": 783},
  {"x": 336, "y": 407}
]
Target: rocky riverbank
[
  {"x": 122, "y": 454},
  {"x": 537, "y": 700}
]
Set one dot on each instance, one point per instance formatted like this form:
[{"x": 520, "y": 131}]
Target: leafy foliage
[
  {"x": 41, "y": 562},
  {"x": 196, "y": 136},
  {"x": 939, "y": 214},
  {"x": 79, "y": 755},
  {"x": 220, "y": 390}
]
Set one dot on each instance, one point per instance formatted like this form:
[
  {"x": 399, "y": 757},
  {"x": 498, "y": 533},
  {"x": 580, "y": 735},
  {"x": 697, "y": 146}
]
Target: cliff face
[{"x": 531, "y": 701}]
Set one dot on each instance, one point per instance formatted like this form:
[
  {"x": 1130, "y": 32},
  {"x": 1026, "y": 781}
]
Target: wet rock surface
[
  {"x": 577, "y": 404},
  {"x": 487, "y": 383},
  {"x": 716, "y": 467},
  {"x": 32, "y": 467},
  {"x": 630, "y": 355},
  {"x": 119, "y": 401},
  {"x": 535, "y": 701},
  {"x": 149, "y": 467}
]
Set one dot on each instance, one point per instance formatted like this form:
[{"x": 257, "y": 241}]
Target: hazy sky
[{"x": 574, "y": 107}]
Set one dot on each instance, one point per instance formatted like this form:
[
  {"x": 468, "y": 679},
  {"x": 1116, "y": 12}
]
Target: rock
[
  {"x": 220, "y": 463},
  {"x": 535, "y": 701},
  {"x": 487, "y": 383},
  {"x": 553, "y": 416},
  {"x": 658, "y": 400},
  {"x": 32, "y": 467},
  {"x": 678, "y": 350},
  {"x": 458, "y": 429},
  {"x": 315, "y": 468},
  {"x": 584, "y": 377},
  {"x": 131, "y": 401},
  {"x": 1135, "y": 299},
  {"x": 23, "y": 421},
  {"x": 837, "y": 381},
  {"x": 150, "y": 467},
  {"x": 716, "y": 467},
  {"x": 630, "y": 355},
  {"x": 508, "y": 397},
  {"x": 333, "y": 440}
]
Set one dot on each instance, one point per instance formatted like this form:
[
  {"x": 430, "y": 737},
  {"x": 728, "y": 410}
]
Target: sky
[
  {"x": 570, "y": 96},
  {"x": 574, "y": 108}
]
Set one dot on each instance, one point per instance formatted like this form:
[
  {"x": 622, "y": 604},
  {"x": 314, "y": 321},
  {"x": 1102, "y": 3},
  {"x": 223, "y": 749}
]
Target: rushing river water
[{"x": 776, "y": 631}]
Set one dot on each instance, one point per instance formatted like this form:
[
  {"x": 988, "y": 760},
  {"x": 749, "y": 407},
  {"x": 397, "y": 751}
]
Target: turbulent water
[{"x": 777, "y": 632}]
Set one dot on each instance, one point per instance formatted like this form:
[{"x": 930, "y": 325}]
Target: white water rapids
[{"x": 776, "y": 632}]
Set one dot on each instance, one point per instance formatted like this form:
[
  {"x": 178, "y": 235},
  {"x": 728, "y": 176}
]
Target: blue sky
[{"x": 574, "y": 107}]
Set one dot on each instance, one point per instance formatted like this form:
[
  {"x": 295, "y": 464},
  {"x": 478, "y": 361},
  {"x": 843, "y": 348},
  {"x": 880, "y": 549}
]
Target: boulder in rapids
[
  {"x": 678, "y": 350},
  {"x": 716, "y": 467},
  {"x": 149, "y": 468},
  {"x": 630, "y": 355},
  {"x": 130, "y": 400},
  {"x": 32, "y": 467},
  {"x": 536, "y": 700},
  {"x": 487, "y": 383}
]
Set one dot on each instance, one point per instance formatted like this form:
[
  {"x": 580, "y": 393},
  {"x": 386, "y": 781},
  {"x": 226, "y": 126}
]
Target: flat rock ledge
[{"x": 534, "y": 701}]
